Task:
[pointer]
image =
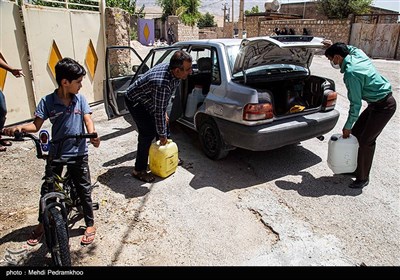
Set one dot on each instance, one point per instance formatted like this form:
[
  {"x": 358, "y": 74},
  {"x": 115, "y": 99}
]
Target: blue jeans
[{"x": 3, "y": 110}]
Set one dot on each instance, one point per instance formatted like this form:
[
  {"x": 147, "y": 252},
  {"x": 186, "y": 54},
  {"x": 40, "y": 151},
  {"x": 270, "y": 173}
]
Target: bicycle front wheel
[{"x": 59, "y": 241}]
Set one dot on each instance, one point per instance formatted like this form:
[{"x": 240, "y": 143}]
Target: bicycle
[{"x": 61, "y": 197}]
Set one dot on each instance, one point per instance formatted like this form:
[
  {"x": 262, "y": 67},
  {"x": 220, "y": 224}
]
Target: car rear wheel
[{"x": 211, "y": 141}]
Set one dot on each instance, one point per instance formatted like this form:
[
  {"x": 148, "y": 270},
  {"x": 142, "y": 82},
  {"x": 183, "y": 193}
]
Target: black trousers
[
  {"x": 80, "y": 174},
  {"x": 3, "y": 110},
  {"x": 367, "y": 129},
  {"x": 147, "y": 132}
]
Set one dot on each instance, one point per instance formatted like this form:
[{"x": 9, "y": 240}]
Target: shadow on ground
[
  {"x": 316, "y": 187},
  {"x": 120, "y": 180}
]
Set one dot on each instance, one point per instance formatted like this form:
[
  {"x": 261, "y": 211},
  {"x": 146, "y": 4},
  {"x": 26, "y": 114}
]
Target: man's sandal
[
  {"x": 35, "y": 238},
  {"x": 143, "y": 176},
  {"x": 88, "y": 237},
  {"x": 5, "y": 142}
]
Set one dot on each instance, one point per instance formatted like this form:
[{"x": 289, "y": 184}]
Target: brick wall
[
  {"x": 310, "y": 10},
  {"x": 117, "y": 34},
  {"x": 398, "y": 52},
  {"x": 211, "y": 33},
  {"x": 117, "y": 22},
  {"x": 207, "y": 34},
  {"x": 336, "y": 30},
  {"x": 187, "y": 33},
  {"x": 228, "y": 30},
  {"x": 182, "y": 32}
]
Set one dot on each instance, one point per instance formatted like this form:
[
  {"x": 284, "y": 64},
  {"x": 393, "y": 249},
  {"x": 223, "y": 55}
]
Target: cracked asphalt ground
[{"x": 275, "y": 208}]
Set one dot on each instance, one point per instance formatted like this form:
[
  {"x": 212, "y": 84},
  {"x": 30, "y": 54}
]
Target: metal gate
[
  {"x": 51, "y": 33},
  {"x": 376, "y": 40},
  {"x": 18, "y": 92}
]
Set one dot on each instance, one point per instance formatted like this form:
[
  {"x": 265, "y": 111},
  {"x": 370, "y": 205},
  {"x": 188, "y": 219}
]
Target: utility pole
[
  {"x": 225, "y": 9},
  {"x": 241, "y": 18},
  {"x": 233, "y": 19},
  {"x": 233, "y": 13}
]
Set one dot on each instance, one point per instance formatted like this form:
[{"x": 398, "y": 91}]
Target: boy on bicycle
[{"x": 69, "y": 112}]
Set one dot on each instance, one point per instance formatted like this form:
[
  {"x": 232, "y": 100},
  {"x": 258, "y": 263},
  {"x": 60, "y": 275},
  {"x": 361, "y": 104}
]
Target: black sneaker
[{"x": 359, "y": 184}]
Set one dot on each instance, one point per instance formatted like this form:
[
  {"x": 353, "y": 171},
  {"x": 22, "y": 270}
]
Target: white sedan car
[{"x": 256, "y": 93}]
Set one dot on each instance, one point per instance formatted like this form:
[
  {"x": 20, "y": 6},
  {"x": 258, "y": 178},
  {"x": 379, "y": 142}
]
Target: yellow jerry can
[{"x": 163, "y": 160}]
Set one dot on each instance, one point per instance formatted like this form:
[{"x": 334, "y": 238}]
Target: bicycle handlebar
[
  {"x": 66, "y": 137},
  {"x": 76, "y": 136},
  {"x": 19, "y": 136}
]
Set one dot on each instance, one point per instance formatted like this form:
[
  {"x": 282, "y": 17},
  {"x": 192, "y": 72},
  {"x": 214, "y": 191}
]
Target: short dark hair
[
  {"x": 69, "y": 69},
  {"x": 178, "y": 58},
  {"x": 337, "y": 48}
]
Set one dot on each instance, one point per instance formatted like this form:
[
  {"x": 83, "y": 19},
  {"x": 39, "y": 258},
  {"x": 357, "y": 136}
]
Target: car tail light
[
  {"x": 256, "y": 112},
  {"x": 329, "y": 101}
]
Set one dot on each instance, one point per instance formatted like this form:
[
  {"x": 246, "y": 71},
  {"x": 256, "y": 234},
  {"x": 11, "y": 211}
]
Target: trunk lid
[{"x": 276, "y": 50}]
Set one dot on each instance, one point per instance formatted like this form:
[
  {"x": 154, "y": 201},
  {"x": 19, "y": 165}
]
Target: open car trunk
[{"x": 293, "y": 96}]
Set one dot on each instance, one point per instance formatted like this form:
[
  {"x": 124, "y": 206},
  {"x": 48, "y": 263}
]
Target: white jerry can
[
  {"x": 342, "y": 154},
  {"x": 193, "y": 100}
]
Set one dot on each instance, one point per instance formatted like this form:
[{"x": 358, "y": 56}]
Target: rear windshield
[
  {"x": 272, "y": 69},
  {"x": 264, "y": 70},
  {"x": 232, "y": 54}
]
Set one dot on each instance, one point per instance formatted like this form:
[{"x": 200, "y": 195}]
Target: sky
[{"x": 215, "y": 6}]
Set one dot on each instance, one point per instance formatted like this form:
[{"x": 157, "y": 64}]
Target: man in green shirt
[{"x": 363, "y": 82}]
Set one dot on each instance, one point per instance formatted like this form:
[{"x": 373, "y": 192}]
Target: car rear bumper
[{"x": 279, "y": 133}]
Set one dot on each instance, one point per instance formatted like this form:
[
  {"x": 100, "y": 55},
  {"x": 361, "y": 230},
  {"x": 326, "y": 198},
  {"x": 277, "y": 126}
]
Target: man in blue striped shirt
[{"x": 147, "y": 100}]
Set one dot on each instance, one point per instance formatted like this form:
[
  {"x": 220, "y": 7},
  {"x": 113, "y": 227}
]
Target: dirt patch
[
  {"x": 164, "y": 223},
  {"x": 281, "y": 207}
]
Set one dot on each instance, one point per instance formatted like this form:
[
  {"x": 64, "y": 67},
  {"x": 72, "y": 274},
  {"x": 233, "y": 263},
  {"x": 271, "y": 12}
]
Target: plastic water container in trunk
[{"x": 194, "y": 99}]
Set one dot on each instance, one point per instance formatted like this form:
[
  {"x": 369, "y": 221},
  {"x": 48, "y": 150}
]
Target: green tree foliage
[
  {"x": 70, "y": 4},
  {"x": 341, "y": 9},
  {"x": 127, "y": 5},
  {"x": 206, "y": 20},
  {"x": 169, "y": 7},
  {"x": 253, "y": 10},
  {"x": 186, "y": 10}
]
